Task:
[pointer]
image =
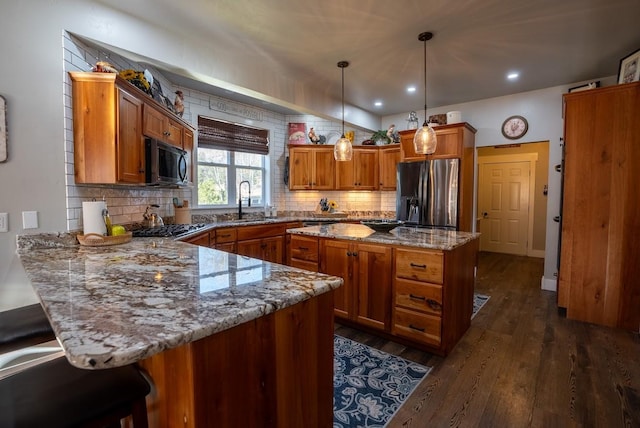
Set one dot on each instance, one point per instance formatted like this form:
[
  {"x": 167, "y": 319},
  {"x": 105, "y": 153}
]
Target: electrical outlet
[{"x": 4, "y": 222}]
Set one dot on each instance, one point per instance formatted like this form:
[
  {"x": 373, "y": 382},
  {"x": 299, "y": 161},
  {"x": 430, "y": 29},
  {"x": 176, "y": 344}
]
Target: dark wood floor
[{"x": 523, "y": 364}]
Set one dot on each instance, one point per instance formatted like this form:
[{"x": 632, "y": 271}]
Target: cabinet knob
[{"x": 349, "y": 254}]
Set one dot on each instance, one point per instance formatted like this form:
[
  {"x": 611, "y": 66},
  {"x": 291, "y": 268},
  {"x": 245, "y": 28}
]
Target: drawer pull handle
[
  {"x": 413, "y": 327},
  {"x": 412, "y": 296},
  {"x": 303, "y": 248},
  {"x": 418, "y": 266},
  {"x": 433, "y": 304}
]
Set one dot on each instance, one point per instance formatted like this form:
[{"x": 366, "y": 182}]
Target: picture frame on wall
[
  {"x": 585, "y": 87},
  {"x": 629, "y": 70}
]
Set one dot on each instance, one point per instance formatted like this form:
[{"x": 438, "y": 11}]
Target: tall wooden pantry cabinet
[{"x": 599, "y": 276}]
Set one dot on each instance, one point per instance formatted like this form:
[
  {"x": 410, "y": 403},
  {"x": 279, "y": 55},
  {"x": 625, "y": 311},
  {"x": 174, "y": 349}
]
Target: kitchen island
[
  {"x": 225, "y": 338},
  {"x": 411, "y": 285}
]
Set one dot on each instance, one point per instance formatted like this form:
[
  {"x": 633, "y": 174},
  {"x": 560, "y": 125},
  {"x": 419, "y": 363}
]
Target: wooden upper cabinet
[
  {"x": 311, "y": 167},
  {"x": 452, "y": 141},
  {"x": 107, "y": 123},
  {"x": 130, "y": 146},
  {"x": 388, "y": 159},
  {"x": 158, "y": 124},
  {"x": 187, "y": 145},
  {"x": 361, "y": 172}
]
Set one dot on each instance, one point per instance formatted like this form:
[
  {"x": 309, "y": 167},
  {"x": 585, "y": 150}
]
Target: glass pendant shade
[
  {"x": 424, "y": 140},
  {"x": 343, "y": 151}
]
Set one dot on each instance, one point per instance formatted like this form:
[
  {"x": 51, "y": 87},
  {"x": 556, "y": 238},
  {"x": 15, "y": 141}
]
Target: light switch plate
[
  {"x": 29, "y": 219},
  {"x": 4, "y": 222}
]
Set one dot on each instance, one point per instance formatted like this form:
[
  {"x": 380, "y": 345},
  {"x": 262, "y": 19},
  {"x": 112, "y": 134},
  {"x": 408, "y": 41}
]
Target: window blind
[{"x": 224, "y": 135}]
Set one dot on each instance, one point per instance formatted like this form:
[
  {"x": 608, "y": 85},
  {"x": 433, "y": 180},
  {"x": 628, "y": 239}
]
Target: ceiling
[{"x": 476, "y": 44}]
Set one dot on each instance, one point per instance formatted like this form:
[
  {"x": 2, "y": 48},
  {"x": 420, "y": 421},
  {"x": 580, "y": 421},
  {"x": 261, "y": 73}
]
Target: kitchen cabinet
[
  {"x": 361, "y": 172},
  {"x": 187, "y": 146},
  {"x": 265, "y": 242},
  {"x": 311, "y": 167},
  {"x": 204, "y": 239},
  {"x": 432, "y": 295},
  {"x": 388, "y": 158},
  {"x": 303, "y": 252},
  {"x": 366, "y": 270},
  {"x": 226, "y": 239},
  {"x": 158, "y": 124},
  {"x": 599, "y": 251},
  {"x": 455, "y": 141},
  {"x": 107, "y": 125}
]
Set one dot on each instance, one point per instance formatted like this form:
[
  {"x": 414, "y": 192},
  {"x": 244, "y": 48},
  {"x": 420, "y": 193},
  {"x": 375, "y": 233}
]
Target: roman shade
[{"x": 220, "y": 134}]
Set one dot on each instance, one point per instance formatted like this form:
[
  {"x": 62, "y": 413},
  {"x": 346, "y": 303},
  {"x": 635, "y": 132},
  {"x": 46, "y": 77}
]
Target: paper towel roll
[{"x": 92, "y": 220}]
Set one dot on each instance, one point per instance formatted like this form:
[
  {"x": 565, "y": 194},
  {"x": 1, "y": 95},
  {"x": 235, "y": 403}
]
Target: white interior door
[{"x": 503, "y": 205}]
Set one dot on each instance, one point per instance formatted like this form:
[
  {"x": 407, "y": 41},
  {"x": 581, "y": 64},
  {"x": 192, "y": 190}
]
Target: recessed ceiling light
[
  {"x": 411, "y": 88},
  {"x": 512, "y": 76},
  {"x": 378, "y": 103}
]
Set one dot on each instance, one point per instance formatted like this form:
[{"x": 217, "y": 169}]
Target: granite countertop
[
  {"x": 115, "y": 305},
  {"x": 432, "y": 239}
]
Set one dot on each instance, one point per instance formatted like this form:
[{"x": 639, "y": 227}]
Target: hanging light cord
[
  {"x": 342, "y": 67},
  {"x": 423, "y": 37}
]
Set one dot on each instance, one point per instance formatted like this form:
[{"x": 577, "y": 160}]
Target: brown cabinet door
[
  {"x": 130, "y": 146},
  {"x": 366, "y": 169},
  {"x": 336, "y": 260},
  {"x": 251, "y": 248},
  {"x": 203, "y": 240},
  {"x": 373, "y": 305},
  {"x": 324, "y": 174},
  {"x": 273, "y": 249},
  {"x": 449, "y": 144},
  {"x": 229, "y": 247},
  {"x": 153, "y": 123},
  {"x": 187, "y": 145},
  {"x": 173, "y": 133},
  {"x": 345, "y": 174},
  {"x": 388, "y": 160},
  {"x": 300, "y": 168}
]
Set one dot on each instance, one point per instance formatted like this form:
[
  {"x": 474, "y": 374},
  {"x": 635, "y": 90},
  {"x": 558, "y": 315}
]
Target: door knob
[{"x": 485, "y": 214}]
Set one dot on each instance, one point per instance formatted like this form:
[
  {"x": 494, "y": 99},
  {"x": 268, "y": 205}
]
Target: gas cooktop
[{"x": 170, "y": 230}]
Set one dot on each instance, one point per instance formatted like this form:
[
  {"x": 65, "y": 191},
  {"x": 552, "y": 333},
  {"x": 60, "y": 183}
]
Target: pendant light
[
  {"x": 343, "y": 151},
  {"x": 424, "y": 140}
]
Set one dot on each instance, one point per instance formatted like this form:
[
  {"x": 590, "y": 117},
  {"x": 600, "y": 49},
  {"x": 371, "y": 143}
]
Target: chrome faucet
[{"x": 240, "y": 197}]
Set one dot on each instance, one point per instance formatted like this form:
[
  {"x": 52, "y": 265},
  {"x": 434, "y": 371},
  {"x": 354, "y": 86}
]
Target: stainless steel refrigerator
[{"x": 427, "y": 193}]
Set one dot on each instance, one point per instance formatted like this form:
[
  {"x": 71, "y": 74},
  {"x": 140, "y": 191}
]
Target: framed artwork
[
  {"x": 590, "y": 85},
  {"x": 297, "y": 133},
  {"x": 629, "y": 70},
  {"x": 3, "y": 129}
]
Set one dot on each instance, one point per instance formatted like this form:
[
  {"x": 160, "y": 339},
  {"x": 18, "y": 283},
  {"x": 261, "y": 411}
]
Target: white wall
[{"x": 543, "y": 111}]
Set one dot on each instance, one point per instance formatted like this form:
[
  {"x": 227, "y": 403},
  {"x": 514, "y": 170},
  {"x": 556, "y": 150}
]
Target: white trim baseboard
[{"x": 549, "y": 284}]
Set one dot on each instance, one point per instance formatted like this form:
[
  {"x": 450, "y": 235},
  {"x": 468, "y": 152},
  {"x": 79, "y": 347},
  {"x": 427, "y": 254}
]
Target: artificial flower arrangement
[
  {"x": 136, "y": 78},
  {"x": 328, "y": 206}
]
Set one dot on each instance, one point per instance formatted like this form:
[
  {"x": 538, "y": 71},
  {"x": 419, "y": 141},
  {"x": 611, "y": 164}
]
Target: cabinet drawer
[
  {"x": 425, "y": 266},
  {"x": 260, "y": 231},
  {"x": 300, "y": 264},
  {"x": 419, "y": 296},
  {"x": 228, "y": 234},
  {"x": 304, "y": 248},
  {"x": 417, "y": 326}
]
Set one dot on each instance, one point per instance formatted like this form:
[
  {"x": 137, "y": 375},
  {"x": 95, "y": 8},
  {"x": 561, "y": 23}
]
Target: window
[
  {"x": 228, "y": 154},
  {"x": 221, "y": 171}
]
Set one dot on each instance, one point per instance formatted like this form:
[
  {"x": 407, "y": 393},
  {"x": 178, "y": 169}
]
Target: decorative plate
[{"x": 332, "y": 137}]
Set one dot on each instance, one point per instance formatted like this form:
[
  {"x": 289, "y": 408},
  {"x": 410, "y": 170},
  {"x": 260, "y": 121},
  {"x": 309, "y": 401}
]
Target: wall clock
[{"x": 514, "y": 127}]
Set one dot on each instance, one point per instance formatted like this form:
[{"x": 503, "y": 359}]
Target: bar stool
[{"x": 56, "y": 394}]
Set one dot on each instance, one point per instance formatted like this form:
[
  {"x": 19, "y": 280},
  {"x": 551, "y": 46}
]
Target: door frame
[{"x": 532, "y": 158}]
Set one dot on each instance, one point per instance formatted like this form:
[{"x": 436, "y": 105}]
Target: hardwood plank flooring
[{"x": 522, "y": 363}]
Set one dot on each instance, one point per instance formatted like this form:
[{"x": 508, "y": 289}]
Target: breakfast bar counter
[{"x": 216, "y": 331}]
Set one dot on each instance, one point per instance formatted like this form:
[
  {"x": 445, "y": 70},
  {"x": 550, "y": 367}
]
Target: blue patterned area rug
[
  {"x": 369, "y": 385},
  {"x": 479, "y": 300}
]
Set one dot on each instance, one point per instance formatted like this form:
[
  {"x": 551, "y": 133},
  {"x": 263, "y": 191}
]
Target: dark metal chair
[{"x": 56, "y": 394}]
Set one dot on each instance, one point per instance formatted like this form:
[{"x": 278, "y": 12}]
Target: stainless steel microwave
[{"x": 165, "y": 164}]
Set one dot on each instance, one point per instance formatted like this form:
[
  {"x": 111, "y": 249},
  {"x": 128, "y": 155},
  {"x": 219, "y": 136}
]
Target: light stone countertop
[
  {"x": 433, "y": 239},
  {"x": 115, "y": 305}
]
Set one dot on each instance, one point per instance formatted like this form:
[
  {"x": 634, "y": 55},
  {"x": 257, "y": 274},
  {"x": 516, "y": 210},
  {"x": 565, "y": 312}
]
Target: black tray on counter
[{"x": 382, "y": 225}]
